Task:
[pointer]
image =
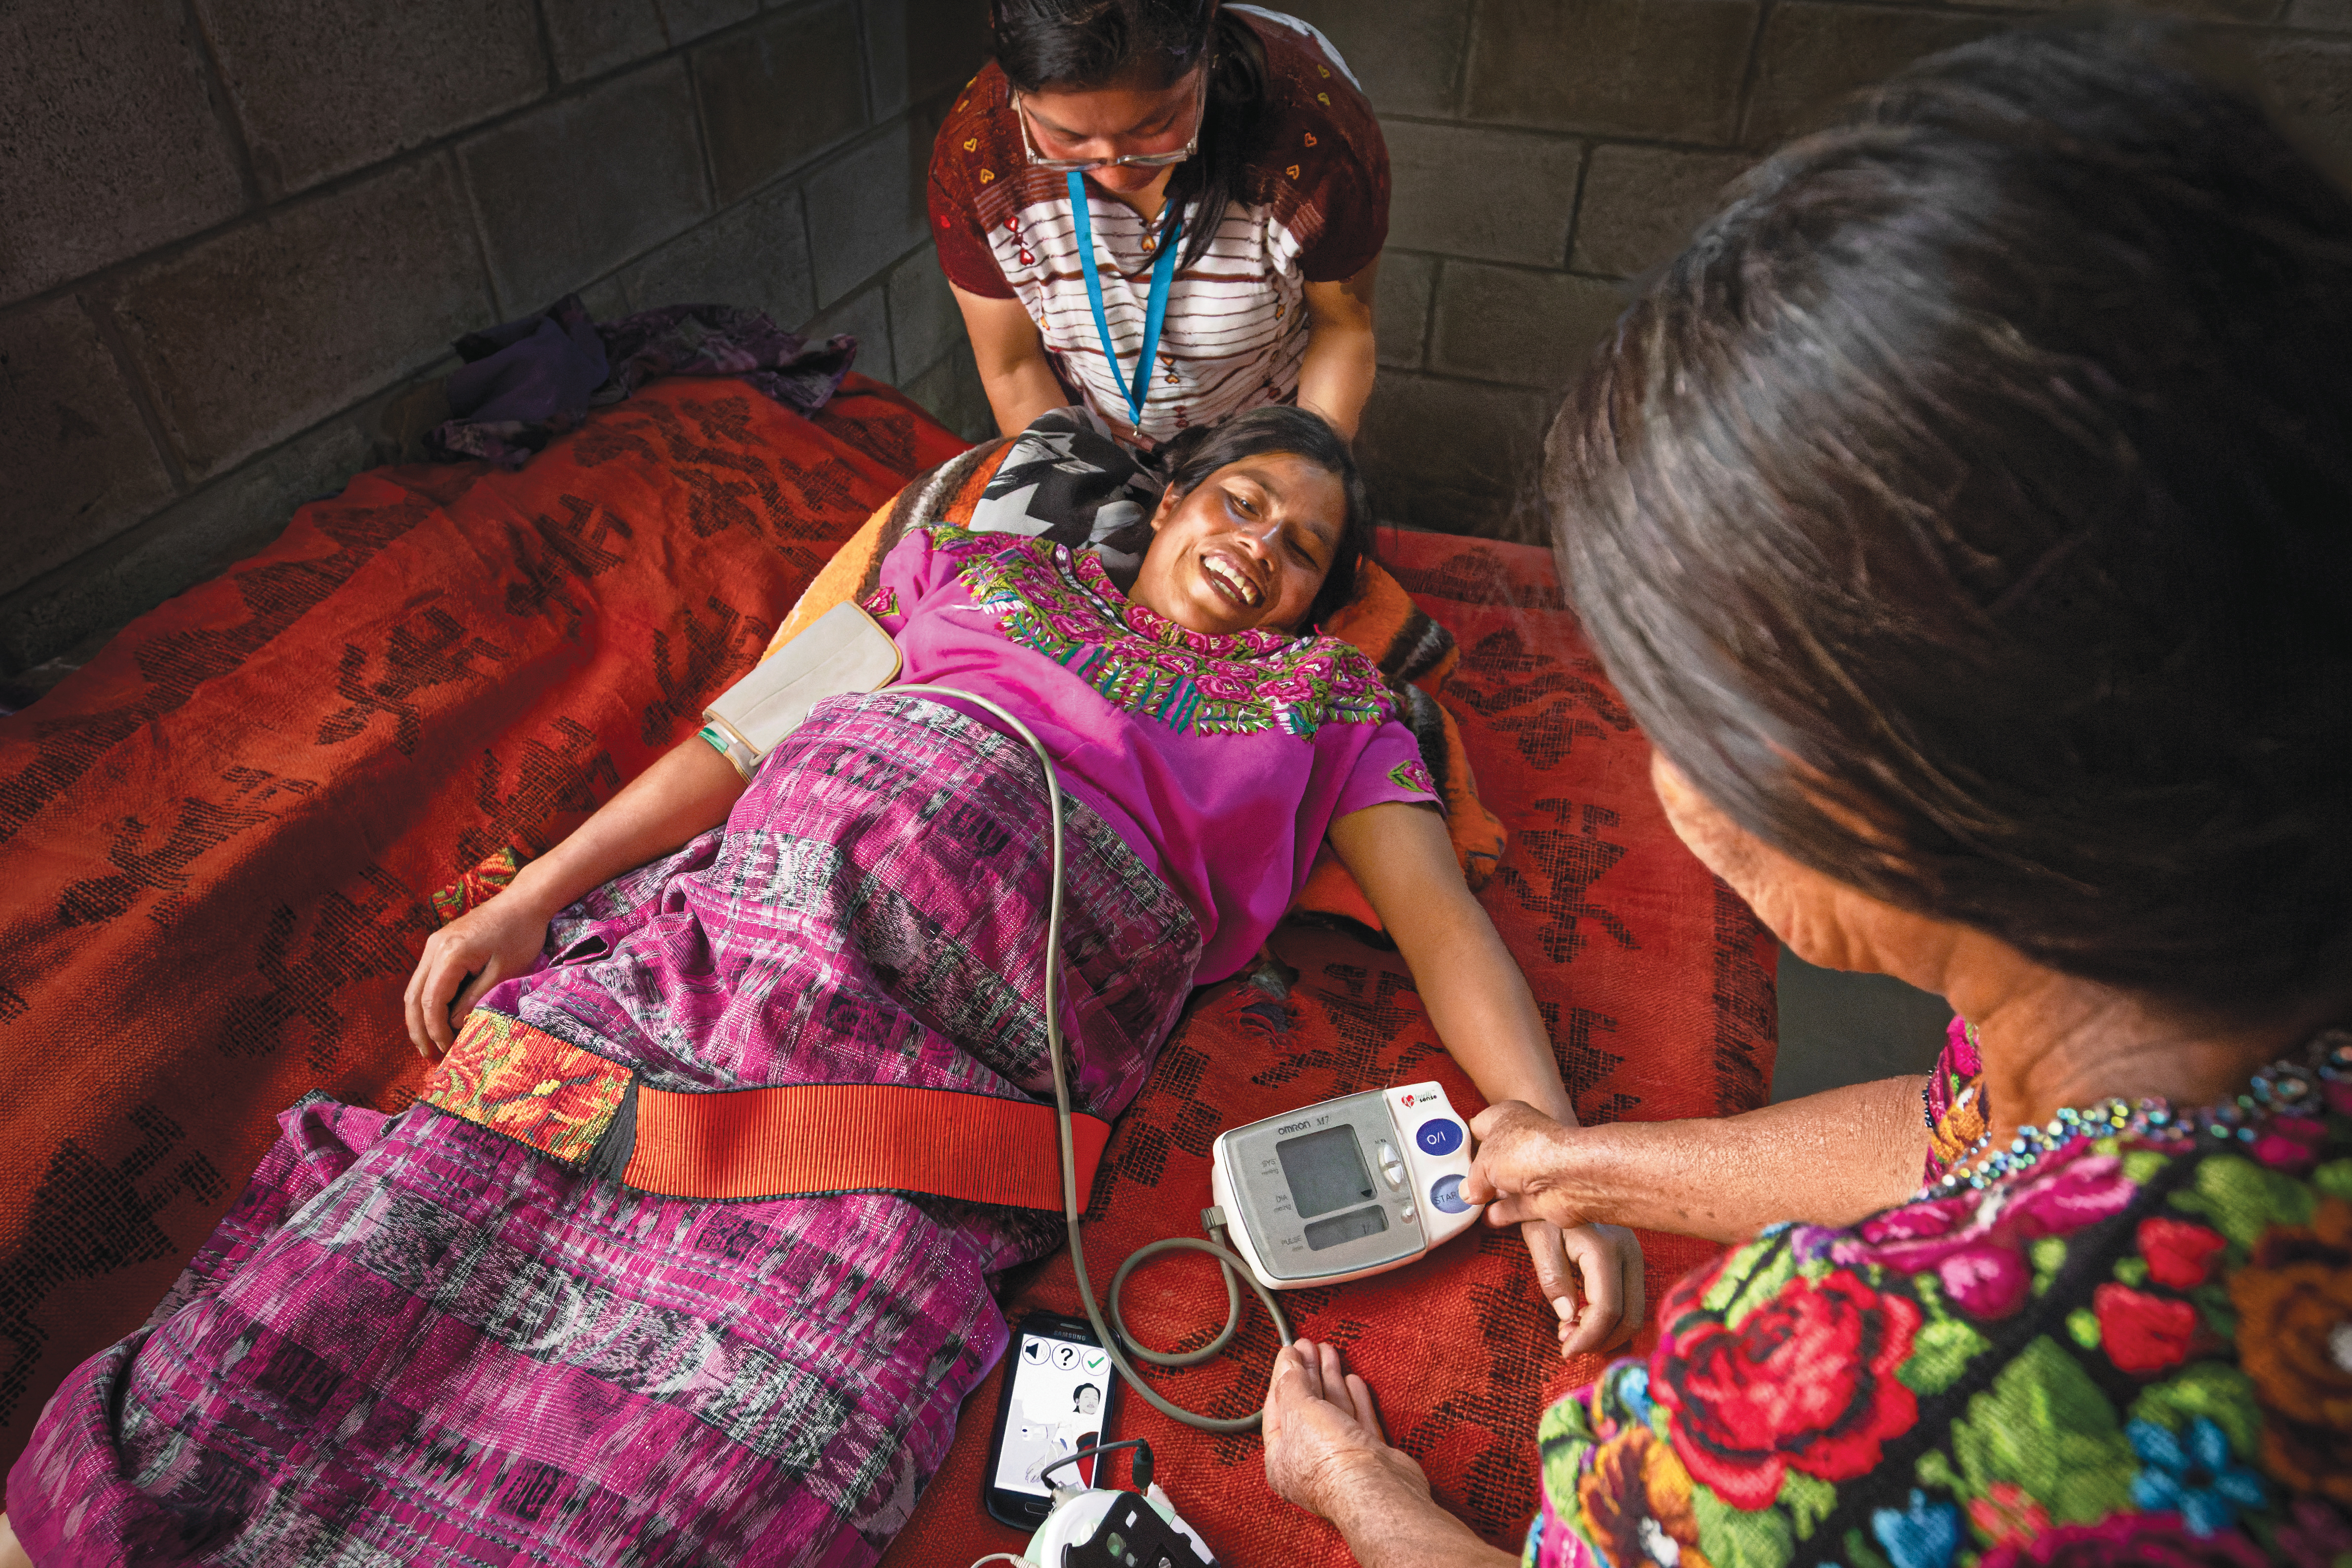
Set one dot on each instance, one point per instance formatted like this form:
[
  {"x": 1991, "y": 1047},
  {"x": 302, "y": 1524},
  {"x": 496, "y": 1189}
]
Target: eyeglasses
[{"x": 1132, "y": 160}]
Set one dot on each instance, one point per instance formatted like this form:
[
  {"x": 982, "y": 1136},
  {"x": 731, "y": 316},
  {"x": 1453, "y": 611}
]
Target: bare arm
[
  {"x": 1832, "y": 1159},
  {"x": 1481, "y": 1006},
  {"x": 1399, "y": 855},
  {"x": 1336, "y": 377},
  {"x": 1012, "y": 357},
  {"x": 688, "y": 791}
]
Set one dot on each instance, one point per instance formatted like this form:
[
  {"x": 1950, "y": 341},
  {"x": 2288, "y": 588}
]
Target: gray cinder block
[
  {"x": 589, "y": 37},
  {"x": 576, "y": 187},
  {"x": 867, "y": 208},
  {"x": 109, "y": 144},
  {"x": 1453, "y": 456},
  {"x": 1401, "y": 309},
  {"x": 919, "y": 48},
  {"x": 1517, "y": 324},
  {"x": 1497, "y": 195},
  {"x": 1636, "y": 67},
  {"x": 953, "y": 394},
  {"x": 777, "y": 94},
  {"x": 687, "y": 20},
  {"x": 325, "y": 87},
  {"x": 76, "y": 467},
  {"x": 1813, "y": 55},
  {"x": 1406, "y": 53},
  {"x": 1641, "y": 204},
  {"x": 753, "y": 254},
  {"x": 258, "y": 333},
  {"x": 924, "y": 321}
]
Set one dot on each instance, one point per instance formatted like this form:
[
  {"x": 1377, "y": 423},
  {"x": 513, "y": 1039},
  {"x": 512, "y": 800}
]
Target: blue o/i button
[
  {"x": 1442, "y": 1135},
  {"x": 1446, "y": 1193}
]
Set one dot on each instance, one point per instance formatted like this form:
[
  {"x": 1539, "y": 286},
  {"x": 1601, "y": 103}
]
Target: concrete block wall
[
  {"x": 234, "y": 232},
  {"x": 1545, "y": 151}
]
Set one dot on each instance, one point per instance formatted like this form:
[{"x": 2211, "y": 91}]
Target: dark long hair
[
  {"x": 1967, "y": 513},
  {"x": 1076, "y": 45},
  {"x": 1193, "y": 454}
]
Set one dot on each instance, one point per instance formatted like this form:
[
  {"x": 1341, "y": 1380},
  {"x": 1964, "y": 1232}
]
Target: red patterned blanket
[{"x": 220, "y": 840}]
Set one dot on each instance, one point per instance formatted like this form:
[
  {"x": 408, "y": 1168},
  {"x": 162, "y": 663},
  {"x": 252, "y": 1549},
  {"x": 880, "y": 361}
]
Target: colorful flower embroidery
[
  {"x": 483, "y": 881},
  {"x": 511, "y": 1078},
  {"x": 1805, "y": 1381},
  {"x": 2198, "y": 1478},
  {"x": 2179, "y": 1255},
  {"x": 2180, "y": 1395},
  {"x": 1975, "y": 1241},
  {"x": 882, "y": 602},
  {"x": 1636, "y": 1504},
  {"x": 2294, "y": 1340},
  {"x": 2127, "y": 1541},
  {"x": 2007, "y": 1513},
  {"x": 2143, "y": 1333},
  {"x": 1413, "y": 774},
  {"x": 1065, "y": 607}
]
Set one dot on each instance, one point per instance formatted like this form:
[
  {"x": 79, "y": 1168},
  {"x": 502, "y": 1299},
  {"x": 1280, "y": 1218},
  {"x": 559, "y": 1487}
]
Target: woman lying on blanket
[{"x": 417, "y": 1338}]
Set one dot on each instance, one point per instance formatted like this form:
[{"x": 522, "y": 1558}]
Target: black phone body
[{"x": 1059, "y": 1394}]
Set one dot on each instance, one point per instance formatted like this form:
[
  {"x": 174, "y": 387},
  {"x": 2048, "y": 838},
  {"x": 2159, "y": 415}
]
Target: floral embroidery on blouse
[
  {"x": 1955, "y": 1102},
  {"x": 882, "y": 600},
  {"x": 1413, "y": 774},
  {"x": 1065, "y": 607},
  {"x": 2135, "y": 1350}
]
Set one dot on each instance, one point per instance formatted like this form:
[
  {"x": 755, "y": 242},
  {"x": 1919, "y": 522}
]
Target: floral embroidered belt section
[{"x": 794, "y": 1141}]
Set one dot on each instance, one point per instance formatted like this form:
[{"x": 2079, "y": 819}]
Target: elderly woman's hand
[
  {"x": 1520, "y": 1152},
  {"x": 1323, "y": 1443}
]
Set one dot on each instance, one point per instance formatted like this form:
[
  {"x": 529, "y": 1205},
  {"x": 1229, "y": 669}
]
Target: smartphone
[{"x": 1058, "y": 1394}]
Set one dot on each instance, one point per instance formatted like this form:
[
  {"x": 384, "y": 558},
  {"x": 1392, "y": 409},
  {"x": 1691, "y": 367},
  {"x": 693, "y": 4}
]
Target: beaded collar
[{"x": 2285, "y": 1088}]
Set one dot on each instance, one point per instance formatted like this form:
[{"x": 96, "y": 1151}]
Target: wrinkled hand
[
  {"x": 1323, "y": 1440},
  {"x": 1601, "y": 1264},
  {"x": 465, "y": 959},
  {"x": 1521, "y": 1151}
]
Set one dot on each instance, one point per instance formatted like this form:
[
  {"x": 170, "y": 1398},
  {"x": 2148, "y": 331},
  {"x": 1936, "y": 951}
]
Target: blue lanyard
[{"x": 1155, "y": 304}]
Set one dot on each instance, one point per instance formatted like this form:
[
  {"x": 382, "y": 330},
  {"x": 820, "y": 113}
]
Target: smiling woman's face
[{"x": 1247, "y": 547}]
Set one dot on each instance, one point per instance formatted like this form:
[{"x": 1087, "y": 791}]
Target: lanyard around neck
[{"x": 1155, "y": 304}]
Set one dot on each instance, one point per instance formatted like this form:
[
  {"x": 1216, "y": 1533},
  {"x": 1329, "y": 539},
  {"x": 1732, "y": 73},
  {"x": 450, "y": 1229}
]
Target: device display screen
[
  {"x": 1058, "y": 1389},
  {"x": 1326, "y": 1171},
  {"x": 1352, "y": 1226}
]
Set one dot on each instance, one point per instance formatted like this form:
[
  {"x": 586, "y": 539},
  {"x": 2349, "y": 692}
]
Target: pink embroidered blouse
[{"x": 1221, "y": 760}]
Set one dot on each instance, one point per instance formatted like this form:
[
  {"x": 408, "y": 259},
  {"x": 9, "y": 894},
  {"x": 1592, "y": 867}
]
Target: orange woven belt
[
  {"x": 803, "y": 1139},
  {"x": 847, "y": 1137}
]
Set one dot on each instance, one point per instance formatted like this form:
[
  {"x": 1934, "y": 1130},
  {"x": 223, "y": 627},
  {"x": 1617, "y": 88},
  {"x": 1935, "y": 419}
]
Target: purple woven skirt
[{"x": 417, "y": 1340}]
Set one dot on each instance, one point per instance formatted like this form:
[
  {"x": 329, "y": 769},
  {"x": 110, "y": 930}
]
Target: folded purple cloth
[{"x": 527, "y": 380}]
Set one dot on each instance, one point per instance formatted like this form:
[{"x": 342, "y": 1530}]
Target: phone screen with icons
[{"x": 1060, "y": 1388}]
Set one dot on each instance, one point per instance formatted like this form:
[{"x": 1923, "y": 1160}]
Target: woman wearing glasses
[{"x": 1202, "y": 188}]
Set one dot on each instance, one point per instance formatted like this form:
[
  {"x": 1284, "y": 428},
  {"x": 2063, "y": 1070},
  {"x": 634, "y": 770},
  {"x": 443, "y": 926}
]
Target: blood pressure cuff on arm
[
  {"x": 841, "y": 651},
  {"x": 1059, "y": 480}
]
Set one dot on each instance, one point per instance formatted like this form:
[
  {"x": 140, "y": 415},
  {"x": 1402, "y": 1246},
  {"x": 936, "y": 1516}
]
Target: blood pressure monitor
[{"x": 1345, "y": 1188}]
